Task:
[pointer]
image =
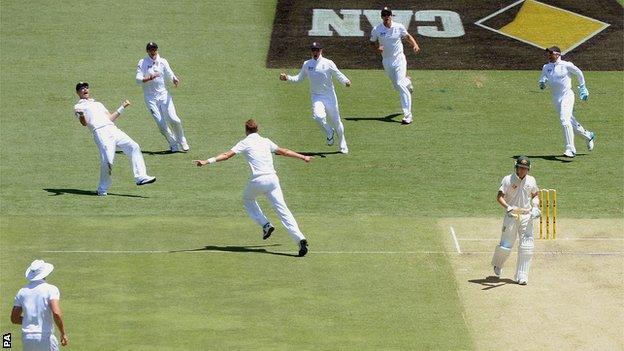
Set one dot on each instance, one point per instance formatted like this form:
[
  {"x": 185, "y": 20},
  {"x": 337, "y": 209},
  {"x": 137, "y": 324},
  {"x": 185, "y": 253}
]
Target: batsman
[{"x": 518, "y": 195}]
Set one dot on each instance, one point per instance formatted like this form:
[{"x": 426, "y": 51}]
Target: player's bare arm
[
  {"x": 410, "y": 39},
  {"x": 151, "y": 77},
  {"x": 81, "y": 117},
  {"x": 113, "y": 116},
  {"x": 501, "y": 200},
  {"x": 289, "y": 153},
  {"x": 16, "y": 315},
  {"x": 57, "y": 314},
  {"x": 376, "y": 47},
  {"x": 222, "y": 157}
]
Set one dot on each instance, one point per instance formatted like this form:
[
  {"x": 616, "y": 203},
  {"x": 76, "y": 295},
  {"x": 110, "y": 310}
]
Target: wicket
[{"x": 548, "y": 201}]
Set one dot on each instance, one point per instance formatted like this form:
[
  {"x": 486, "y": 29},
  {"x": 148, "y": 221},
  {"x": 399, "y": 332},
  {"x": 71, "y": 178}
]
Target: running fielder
[
  {"x": 264, "y": 181},
  {"x": 386, "y": 39},
  {"x": 518, "y": 196},
  {"x": 556, "y": 73},
  {"x": 108, "y": 138},
  {"x": 320, "y": 70},
  {"x": 151, "y": 72}
]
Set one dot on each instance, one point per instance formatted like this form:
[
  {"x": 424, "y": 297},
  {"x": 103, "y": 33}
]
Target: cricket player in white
[
  {"x": 320, "y": 70},
  {"x": 36, "y": 308},
  {"x": 518, "y": 195},
  {"x": 151, "y": 73},
  {"x": 386, "y": 39},
  {"x": 108, "y": 138},
  {"x": 258, "y": 151},
  {"x": 556, "y": 73}
]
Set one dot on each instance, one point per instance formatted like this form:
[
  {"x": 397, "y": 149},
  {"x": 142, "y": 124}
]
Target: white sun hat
[{"x": 38, "y": 270}]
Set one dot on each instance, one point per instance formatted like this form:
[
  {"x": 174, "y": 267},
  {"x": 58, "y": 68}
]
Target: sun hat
[{"x": 38, "y": 270}]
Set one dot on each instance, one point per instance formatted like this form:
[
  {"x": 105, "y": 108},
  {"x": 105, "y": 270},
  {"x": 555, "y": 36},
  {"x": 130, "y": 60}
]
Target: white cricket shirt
[
  {"x": 390, "y": 40},
  {"x": 34, "y": 299},
  {"x": 258, "y": 152},
  {"x": 518, "y": 191},
  {"x": 558, "y": 75},
  {"x": 147, "y": 67},
  {"x": 95, "y": 113},
  {"x": 320, "y": 73}
]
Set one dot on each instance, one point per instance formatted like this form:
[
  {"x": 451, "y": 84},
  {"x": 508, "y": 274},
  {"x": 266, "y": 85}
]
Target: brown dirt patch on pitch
[{"x": 574, "y": 299}]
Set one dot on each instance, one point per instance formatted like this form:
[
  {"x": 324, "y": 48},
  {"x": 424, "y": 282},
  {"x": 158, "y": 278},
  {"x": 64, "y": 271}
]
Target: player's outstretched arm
[
  {"x": 222, "y": 157},
  {"x": 113, "y": 116},
  {"x": 289, "y": 153}
]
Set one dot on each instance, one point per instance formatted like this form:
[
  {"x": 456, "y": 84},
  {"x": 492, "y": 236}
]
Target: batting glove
[
  {"x": 583, "y": 93},
  {"x": 535, "y": 213},
  {"x": 542, "y": 85}
]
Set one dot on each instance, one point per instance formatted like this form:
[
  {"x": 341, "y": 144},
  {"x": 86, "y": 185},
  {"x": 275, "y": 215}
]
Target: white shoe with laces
[{"x": 590, "y": 142}]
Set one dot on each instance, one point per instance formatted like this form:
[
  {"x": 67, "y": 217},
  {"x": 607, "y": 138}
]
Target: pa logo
[{"x": 6, "y": 341}]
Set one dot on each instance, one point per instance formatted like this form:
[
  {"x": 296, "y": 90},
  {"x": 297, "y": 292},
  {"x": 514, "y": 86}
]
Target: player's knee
[{"x": 527, "y": 243}]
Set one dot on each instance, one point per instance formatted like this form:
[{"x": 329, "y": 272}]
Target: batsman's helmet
[
  {"x": 151, "y": 45},
  {"x": 523, "y": 162}
]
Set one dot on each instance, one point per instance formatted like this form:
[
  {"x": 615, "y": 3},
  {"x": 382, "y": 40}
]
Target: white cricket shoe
[
  {"x": 185, "y": 146},
  {"x": 590, "y": 142},
  {"x": 569, "y": 153},
  {"x": 406, "y": 120},
  {"x": 330, "y": 140},
  {"x": 522, "y": 282},
  {"x": 344, "y": 150},
  {"x": 498, "y": 271},
  {"x": 146, "y": 180},
  {"x": 101, "y": 193}
]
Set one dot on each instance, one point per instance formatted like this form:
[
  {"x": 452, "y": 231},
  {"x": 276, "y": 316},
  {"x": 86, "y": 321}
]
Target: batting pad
[
  {"x": 501, "y": 254},
  {"x": 525, "y": 254}
]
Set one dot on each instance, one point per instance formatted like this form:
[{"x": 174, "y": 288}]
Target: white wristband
[
  {"x": 120, "y": 110},
  {"x": 212, "y": 160}
]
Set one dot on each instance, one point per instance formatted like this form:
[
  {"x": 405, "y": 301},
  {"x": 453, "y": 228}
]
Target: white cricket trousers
[
  {"x": 108, "y": 139},
  {"x": 396, "y": 70},
  {"x": 269, "y": 186},
  {"x": 39, "y": 342},
  {"x": 164, "y": 113},
  {"x": 564, "y": 104},
  {"x": 324, "y": 105},
  {"x": 521, "y": 228}
]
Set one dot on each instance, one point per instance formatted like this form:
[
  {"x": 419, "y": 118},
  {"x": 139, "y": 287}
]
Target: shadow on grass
[
  {"x": 319, "y": 153},
  {"x": 388, "y": 118},
  {"x": 556, "y": 158},
  {"x": 57, "y": 192},
  {"x": 164, "y": 152},
  {"x": 492, "y": 282},
  {"x": 242, "y": 249}
]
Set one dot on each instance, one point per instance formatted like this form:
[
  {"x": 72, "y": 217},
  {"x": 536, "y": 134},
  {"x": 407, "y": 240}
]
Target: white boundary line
[
  {"x": 579, "y": 43},
  {"x": 455, "y": 240},
  {"x": 613, "y": 253}
]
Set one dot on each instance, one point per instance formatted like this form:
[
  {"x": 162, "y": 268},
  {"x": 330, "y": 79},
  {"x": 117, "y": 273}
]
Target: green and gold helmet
[{"x": 523, "y": 162}]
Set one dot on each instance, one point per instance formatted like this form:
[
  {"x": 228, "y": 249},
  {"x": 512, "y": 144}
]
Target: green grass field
[{"x": 376, "y": 276}]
